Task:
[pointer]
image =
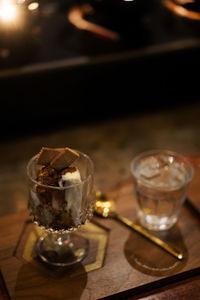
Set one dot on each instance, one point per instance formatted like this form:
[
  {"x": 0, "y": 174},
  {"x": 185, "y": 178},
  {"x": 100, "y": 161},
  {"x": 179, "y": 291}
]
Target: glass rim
[
  {"x": 184, "y": 159},
  {"x": 58, "y": 187}
]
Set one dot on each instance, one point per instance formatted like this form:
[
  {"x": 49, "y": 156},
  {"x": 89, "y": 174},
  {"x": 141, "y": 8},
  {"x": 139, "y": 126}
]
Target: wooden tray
[
  {"x": 194, "y": 187},
  {"x": 121, "y": 262}
]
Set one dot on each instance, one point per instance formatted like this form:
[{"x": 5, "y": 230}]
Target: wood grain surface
[
  {"x": 132, "y": 264},
  {"x": 194, "y": 187}
]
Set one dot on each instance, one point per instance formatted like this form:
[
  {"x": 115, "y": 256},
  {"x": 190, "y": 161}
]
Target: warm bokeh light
[
  {"x": 8, "y": 12},
  {"x": 77, "y": 15},
  {"x": 177, "y": 8},
  {"x": 33, "y": 6}
]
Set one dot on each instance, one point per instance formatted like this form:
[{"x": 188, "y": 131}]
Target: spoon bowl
[{"x": 104, "y": 207}]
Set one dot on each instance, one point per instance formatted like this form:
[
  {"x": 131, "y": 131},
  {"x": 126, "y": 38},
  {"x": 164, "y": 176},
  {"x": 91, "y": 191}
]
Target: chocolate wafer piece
[
  {"x": 46, "y": 155},
  {"x": 64, "y": 159}
]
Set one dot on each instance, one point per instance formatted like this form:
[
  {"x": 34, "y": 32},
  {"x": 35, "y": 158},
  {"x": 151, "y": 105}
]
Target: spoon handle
[{"x": 149, "y": 236}]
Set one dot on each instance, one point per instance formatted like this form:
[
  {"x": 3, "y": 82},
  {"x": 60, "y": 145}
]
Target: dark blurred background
[
  {"x": 52, "y": 73},
  {"x": 111, "y": 78}
]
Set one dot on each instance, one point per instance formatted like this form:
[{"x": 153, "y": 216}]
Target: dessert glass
[{"x": 59, "y": 211}]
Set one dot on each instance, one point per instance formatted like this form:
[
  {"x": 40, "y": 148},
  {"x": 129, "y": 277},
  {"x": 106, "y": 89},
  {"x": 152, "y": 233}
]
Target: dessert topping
[{"x": 57, "y": 158}]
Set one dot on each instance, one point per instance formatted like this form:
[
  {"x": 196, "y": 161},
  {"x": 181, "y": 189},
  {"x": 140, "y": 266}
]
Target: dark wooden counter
[
  {"x": 120, "y": 264},
  {"x": 112, "y": 144}
]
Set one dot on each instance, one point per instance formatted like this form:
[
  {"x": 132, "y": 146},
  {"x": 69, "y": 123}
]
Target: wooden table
[{"x": 111, "y": 271}]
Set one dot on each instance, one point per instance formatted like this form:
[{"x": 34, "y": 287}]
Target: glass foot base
[{"x": 62, "y": 250}]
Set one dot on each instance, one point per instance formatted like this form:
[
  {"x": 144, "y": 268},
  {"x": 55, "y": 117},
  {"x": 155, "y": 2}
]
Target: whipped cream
[
  {"x": 35, "y": 199},
  {"x": 73, "y": 195},
  {"x": 70, "y": 178}
]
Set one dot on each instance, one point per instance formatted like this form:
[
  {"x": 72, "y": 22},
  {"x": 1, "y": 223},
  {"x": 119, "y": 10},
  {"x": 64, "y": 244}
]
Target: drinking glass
[
  {"x": 60, "y": 211},
  {"x": 161, "y": 178}
]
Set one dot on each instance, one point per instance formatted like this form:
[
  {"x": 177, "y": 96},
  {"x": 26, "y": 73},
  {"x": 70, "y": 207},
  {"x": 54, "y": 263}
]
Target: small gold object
[{"x": 105, "y": 207}]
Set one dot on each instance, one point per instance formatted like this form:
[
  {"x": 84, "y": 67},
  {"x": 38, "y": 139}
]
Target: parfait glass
[{"x": 59, "y": 212}]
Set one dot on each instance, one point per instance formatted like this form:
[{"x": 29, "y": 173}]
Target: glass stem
[{"x": 59, "y": 240}]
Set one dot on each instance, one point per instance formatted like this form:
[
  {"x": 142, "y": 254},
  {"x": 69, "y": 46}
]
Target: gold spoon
[{"x": 105, "y": 207}]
